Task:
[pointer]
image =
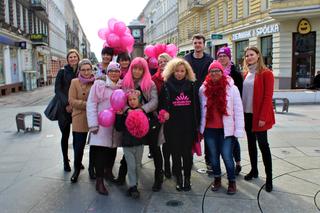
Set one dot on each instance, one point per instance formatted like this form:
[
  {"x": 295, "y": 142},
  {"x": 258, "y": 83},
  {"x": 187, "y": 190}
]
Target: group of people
[{"x": 198, "y": 96}]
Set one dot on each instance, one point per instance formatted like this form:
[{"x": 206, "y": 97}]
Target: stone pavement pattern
[{"x": 32, "y": 177}]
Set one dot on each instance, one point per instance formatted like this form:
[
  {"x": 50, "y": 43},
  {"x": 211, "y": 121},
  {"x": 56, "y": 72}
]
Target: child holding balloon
[{"x": 104, "y": 138}]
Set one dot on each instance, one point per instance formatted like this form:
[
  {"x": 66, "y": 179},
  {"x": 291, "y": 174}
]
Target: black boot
[
  {"x": 158, "y": 180},
  {"x": 66, "y": 166},
  {"x": 187, "y": 184},
  {"x": 92, "y": 173},
  {"x": 121, "y": 179},
  {"x": 269, "y": 186},
  {"x": 179, "y": 186},
  {"x": 75, "y": 176},
  {"x": 251, "y": 174}
]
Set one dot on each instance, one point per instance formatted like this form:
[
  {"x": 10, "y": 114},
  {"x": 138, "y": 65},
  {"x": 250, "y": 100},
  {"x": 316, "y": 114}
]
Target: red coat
[
  {"x": 158, "y": 80},
  {"x": 262, "y": 100}
]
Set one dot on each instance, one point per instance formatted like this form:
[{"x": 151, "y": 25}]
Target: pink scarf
[
  {"x": 86, "y": 80},
  {"x": 227, "y": 70}
]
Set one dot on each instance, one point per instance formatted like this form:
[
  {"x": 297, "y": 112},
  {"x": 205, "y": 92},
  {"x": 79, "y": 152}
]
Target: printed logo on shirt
[{"x": 182, "y": 100}]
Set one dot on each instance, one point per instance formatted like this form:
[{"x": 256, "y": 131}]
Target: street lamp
[{"x": 83, "y": 45}]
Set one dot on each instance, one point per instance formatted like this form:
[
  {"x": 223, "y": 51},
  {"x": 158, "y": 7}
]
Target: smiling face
[
  {"x": 137, "y": 73},
  {"x": 133, "y": 101},
  {"x": 124, "y": 64},
  {"x": 114, "y": 75},
  {"x": 215, "y": 74},
  {"x": 223, "y": 59},
  {"x": 180, "y": 72},
  {"x": 304, "y": 26},
  {"x": 86, "y": 71},
  {"x": 73, "y": 59},
  {"x": 198, "y": 45},
  {"x": 251, "y": 57},
  {"x": 106, "y": 58}
]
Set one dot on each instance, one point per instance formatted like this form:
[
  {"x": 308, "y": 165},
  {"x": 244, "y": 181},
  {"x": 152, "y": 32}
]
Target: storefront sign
[
  {"x": 216, "y": 36},
  {"x": 304, "y": 26},
  {"x": 260, "y": 31}
]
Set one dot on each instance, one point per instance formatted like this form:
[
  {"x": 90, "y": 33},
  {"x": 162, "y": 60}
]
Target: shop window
[
  {"x": 225, "y": 13},
  {"x": 246, "y": 8},
  {"x": 266, "y": 50},
  {"x": 240, "y": 47},
  {"x": 216, "y": 17}
]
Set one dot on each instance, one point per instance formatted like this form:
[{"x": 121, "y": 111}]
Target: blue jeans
[
  {"x": 218, "y": 145},
  {"x": 236, "y": 150}
]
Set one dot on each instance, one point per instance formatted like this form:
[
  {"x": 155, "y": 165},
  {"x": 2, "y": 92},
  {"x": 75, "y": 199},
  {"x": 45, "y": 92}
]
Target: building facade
[
  {"x": 273, "y": 26},
  {"x": 161, "y": 20}
]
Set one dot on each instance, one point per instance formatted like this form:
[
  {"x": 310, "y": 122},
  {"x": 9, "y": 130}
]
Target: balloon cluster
[
  {"x": 117, "y": 36},
  {"x": 118, "y": 100},
  {"x": 153, "y": 51}
]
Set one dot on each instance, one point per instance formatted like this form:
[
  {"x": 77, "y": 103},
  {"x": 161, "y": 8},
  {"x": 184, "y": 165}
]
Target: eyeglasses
[
  {"x": 85, "y": 70},
  {"x": 214, "y": 71}
]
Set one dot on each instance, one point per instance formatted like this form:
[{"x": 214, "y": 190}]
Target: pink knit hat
[
  {"x": 225, "y": 50},
  {"x": 216, "y": 65},
  {"x": 113, "y": 66}
]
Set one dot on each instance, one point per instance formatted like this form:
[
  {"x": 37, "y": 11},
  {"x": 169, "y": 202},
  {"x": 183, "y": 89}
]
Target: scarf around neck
[
  {"x": 86, "y": 80},
  {"x": 227, "y": 69}
]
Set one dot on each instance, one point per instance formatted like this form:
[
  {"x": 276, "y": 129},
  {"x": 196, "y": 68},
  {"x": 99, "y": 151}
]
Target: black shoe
[
  {"x": 251, "y": 175},
  {"x": 92, "y": 173},
  {"x": 237, "y": 170},
  {"x": 120, "y": 181},
  {"x": 187, "y": 184},
  {"x": 82, "y": 167},
  {"x": 67, "y": 167},
  {"x": 150, "y": 155},
  {"x": 133, "y": 192},
  {"x": 75, "y": 176},
  {"x": 167, "y": 173},
  {"x": 179, "y": 186},
  {"x": 158, "y": 180},
  {"x": 269, "y": 186}
]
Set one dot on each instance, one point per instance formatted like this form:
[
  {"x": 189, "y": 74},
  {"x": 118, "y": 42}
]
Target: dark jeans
[
  {"x": 219, "y": 145},
  {"x": 236, "y": 150},
  {"x": 262, "y": 138},
  {"x": 105, "y": 157},
  {"x": 92, "y": 158},
  {"x": 157, "y": 158},
  {"x": 79, "y": 142},
  {"x": 64, "y": 127},
  {"x": 123, "y": 169}
]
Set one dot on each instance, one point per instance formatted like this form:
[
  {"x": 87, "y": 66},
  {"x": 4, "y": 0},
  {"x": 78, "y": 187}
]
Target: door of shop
[{"x": 303, "y": 60}]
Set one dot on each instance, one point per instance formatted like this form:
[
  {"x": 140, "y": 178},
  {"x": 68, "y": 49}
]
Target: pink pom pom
[
  {"x": 137, "y": 123},
  {"x": 161, "y": 116},
  {"x": 153, "y": 63}
]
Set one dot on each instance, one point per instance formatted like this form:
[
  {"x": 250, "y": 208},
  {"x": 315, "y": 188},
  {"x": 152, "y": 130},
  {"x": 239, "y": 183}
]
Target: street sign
[{"x": 216, "y": 36}]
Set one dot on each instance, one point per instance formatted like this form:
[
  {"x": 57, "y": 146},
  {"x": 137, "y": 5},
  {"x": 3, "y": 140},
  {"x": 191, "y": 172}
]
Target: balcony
[
  {"x": 39, "y": 39},
  {"x": 195, "y": 5},
  {"x": 40, "y": 5}
]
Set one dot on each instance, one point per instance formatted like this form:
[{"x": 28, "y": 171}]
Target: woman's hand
[
  {"x": 166, "y": 116},
  {"x": 261, "y": 123},
  {"x": 94, "y": 130},
  {"x": 69, "y": 108}
]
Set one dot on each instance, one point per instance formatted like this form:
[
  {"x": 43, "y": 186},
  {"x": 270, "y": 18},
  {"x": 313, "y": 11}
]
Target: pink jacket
[{"x": 233, "y": 123}]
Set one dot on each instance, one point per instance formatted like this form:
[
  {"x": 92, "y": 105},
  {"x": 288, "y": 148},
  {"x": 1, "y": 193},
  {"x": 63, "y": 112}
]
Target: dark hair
[
  {"x": 107, "y": 50},
  {"x": 199, "y": 36},
  {"x": 123, "y": 57}
]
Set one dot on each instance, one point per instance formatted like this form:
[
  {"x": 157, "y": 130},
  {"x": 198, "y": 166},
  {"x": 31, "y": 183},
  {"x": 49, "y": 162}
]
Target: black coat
[{"x": 237, "y": 78}]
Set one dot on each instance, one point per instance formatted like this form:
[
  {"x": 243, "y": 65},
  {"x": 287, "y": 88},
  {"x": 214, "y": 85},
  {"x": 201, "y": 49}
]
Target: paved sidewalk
[{"x": 32, "y": 177}]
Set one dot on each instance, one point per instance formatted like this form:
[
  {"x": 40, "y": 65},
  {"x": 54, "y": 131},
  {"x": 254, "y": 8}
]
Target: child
[
  {"x": 124, "y": 61},
  {"x": 132, "y": 146}
]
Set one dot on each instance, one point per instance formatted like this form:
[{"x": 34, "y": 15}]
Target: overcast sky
[{"x": 94, "y": 14}]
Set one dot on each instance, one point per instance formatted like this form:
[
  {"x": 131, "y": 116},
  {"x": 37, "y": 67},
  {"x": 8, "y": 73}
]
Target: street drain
[{"x": 174, "y": 203}]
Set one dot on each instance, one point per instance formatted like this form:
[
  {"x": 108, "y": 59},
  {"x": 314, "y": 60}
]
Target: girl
[
  {"x": 179, "y": 97},
  {"x": 124, "y": 61},
  {"x": 78, "y": 95},
  {"x": 61, "y": 89},
  {"x": 221, "y": 121},
  {"x": 104, "y": 141},
  {"x": 259, "y": 115}
]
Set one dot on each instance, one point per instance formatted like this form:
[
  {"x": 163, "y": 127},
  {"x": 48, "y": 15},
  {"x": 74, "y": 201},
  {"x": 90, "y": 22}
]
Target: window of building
[
  {"x": 235, "y": 10},
  {"x": 225, "y": 13},
  {"x": 201, "y": 23},
  {"x": 208, "y": 20},
  {"x": 266, "y": 50},
  {"x": 216, "y": 17},
  {"x": 27, "y": 20},
  {"x": 240, "y": 47},
  {"x": 21, "y": 17},
  {"x": 6, "y": 11},
  {"x": 265, "y": 4},
  {"x": 14, "y": 11},
  {"x": 246, "y": 8}
]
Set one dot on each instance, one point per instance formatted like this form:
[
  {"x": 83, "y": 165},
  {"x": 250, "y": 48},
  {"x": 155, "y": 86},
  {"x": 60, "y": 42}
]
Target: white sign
[{"x": 260, "y": 31}]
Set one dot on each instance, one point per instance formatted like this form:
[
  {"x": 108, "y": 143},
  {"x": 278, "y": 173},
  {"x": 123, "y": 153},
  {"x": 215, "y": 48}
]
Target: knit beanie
[
  {"x": 216, "y": 65},
  {"x": 113, "y": 66},
  {"x": 225, "y": 50}
]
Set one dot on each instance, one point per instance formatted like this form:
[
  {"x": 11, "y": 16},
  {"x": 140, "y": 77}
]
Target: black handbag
[{"x": 52, "y": 109}]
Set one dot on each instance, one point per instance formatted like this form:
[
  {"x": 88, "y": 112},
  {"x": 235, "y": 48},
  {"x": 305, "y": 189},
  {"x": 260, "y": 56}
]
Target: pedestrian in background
[
  {"x": 104, "y": 140},
  {"x": 179, "y": 97},
  {"x": 61, "y": 89},
  {"x": 224, "y": 57},
  {"x": 222, "y": 121},
  {"x": 124, "y": 60},
  {"x": 78, "y": 95},
  {"x": 259, "y": 115}
]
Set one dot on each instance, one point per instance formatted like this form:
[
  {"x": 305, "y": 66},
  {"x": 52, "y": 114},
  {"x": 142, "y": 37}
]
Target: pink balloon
[
  {"x": 153, "y": 63},
  {"x": 119, "y": 28},
  {"x": 172, "y": 50},
  {"x": 118, "y": 99},
  {"x": 128, "y": 30},
  {"x": 127, "y": 40},
  {"x": 149, "y": 51},
  {"x": 105, "y": 44},
  {"x": 159, "y": 48},
  {"x": 130, "y": 49},
  {"x": 102, "y": 33},
  {"x": 113, "y": 40},
  {"x": 111, "y": 23},
  {"x": 106, "y": 118}
]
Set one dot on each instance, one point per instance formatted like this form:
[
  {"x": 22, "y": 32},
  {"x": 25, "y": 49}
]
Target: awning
[{"x": 7, "y": 40}]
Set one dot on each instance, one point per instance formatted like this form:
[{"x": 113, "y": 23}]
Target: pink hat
[
  {"x": 216, "y": 65},
  {"x": 113, "y": 66},
  {"x": 225, "y": 50}
]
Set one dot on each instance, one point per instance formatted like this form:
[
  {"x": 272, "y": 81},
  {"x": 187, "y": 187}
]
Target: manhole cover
[{"x": 174, "y": 203}]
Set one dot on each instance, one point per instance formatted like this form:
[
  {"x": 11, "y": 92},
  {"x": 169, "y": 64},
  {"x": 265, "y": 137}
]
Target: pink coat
[
  {"x": 99, "y": 100},
  {"x": 233, "y": 123}
]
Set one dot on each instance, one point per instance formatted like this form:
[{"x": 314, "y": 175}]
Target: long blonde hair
[
  {"x": 260, "y": 64},
  {"x": 172, "y": 66}
]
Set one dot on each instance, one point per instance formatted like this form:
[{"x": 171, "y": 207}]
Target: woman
[
  {"x": 259, "y": 116},
  {"x": 157, "y": 78},
  {"x": 62, "y": 85},
  {"x": 138, "y": 77},
  {"x": 124, "y": 60},
  {"x": 222, "y": 121},
  {"x": 104, "y": 140},
  {"x": 224, "y": 57},
  {"x": 78, "y": 95},
  {"x": 179, "y": 97},
  {"x": 106, "y": 55}
]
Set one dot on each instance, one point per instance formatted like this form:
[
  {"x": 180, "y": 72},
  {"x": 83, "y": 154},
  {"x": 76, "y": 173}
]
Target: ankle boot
[
  {"x": 179, "y": 186},
  {"x": 216, "y": 184},
  {"x": 101, "y": 189},
  {"x": 187, "y": 184},
  {"x": 92, "y": 173},
  {"x": 158, "y": 180},
  {"x": 66, "y": 166},
  {"x": 109, "y": 176},
  {"x": 269, "y": 186},
  {"x": 75, "y": 176},
  {"x": 251, "y": 174},
  {"x": 232, "y": 188}
]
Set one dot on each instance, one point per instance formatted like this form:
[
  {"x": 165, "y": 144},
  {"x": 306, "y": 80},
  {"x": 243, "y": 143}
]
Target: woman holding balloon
[{"x": 104, "y": 99}]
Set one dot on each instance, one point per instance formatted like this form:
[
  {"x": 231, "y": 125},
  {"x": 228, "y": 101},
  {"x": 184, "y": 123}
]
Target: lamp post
[{"x": 83, "y": 45}]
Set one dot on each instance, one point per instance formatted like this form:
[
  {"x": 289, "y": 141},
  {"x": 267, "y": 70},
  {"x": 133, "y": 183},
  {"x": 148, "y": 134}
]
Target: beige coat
[{"x": 78, "y": 95}]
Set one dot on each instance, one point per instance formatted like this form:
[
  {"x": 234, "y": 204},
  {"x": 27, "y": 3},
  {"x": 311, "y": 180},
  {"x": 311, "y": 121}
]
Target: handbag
[{"x": 52, "y": 110}]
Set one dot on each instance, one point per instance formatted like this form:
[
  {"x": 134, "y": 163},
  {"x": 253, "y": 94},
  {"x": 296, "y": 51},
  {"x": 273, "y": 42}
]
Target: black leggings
[
  {"x": 64, "y": 127},
  {"x": 105, "y": 157},
  {"x": 79, "y": 142}
]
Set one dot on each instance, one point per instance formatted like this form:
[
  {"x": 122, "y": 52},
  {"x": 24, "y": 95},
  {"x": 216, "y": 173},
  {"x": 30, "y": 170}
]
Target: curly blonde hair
[{"x": 172, "y": 66}]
